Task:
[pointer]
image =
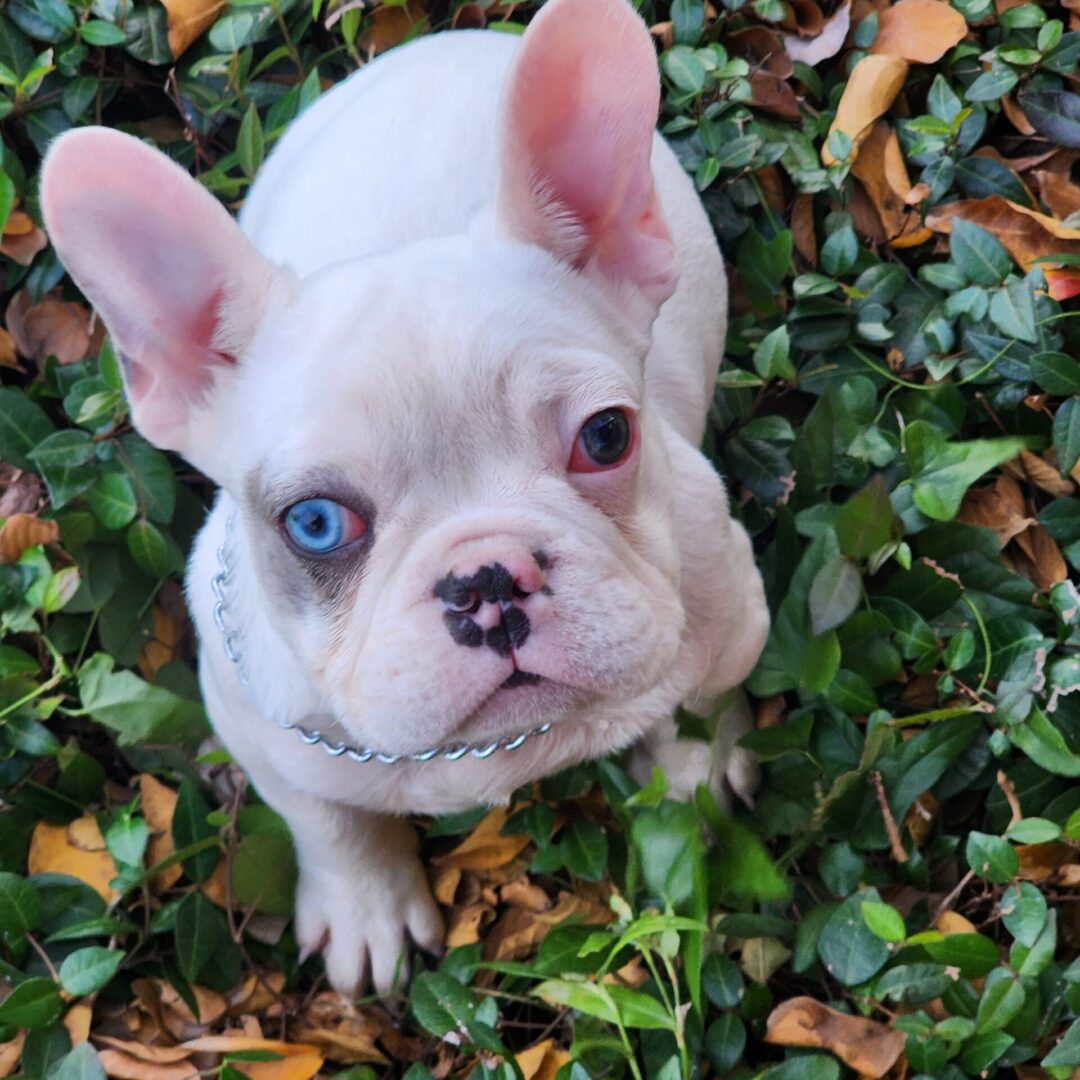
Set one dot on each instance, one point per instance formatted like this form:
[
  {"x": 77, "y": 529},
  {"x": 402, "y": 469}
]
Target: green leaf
[
  {"x": 126, "y": 840},
  {"x": 772, "y": 357},
  {"x": 992, "y": 857},
  {"x": 866, "y": 522},
  {"x": 1044, "y": 744},
  {"x": 725, "y": 1041},
  {"x": 584, "y": 847},
  {"x": 722, "y": 981},
  {"x": 1055, "y": 114},
  {"x": 1033, "y": 831},
  {"x": 200, "y": 928},
  {"x": 250, "y": 144},
  {"x": 682, "y": 66},
  {"x": 264, "y": 872},
  {"x": 152, "y": 475},
  {"x": 20, "y": 906},
  {"x": 1066, "y": 1053},
  {"x": 82, "y": 1063},
  {"x": 668, "y": 842},
  {"x": 112, "y": 498},
  {"x": 23, "y": 426},
  {"x": 101, "y": 33},
  {"x": 1023, "y": 911},
  {"x": 189, "y": 826},
  {"x": 88, "y": 970},
  {"x": 7, "y": 198},
  {"x": 441, "y": 1004},
  {"x": 992, "y": 85},
  {"x": 34, "y": 1004},
  {"x": 1002, "y": 999},
  {"x": 152, "y": 550},
  {"x": 637, "y": 1009},
  {"x": 885, "y": 921},
  {"x": 804, "y": 1067},
  {"x": 1056, "y": 372},
  {"x": 748, "y": 871},
  {"x": 834, "y": 594},
  {"x": 1067, "y": 435},
  {"x": 943, "y": 471},
  {"x": 1013, "y": 312},
  {"x": 850, "y": 951},
  {"x": 978, "y": 253}
]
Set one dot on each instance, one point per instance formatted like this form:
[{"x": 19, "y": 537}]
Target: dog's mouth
[{"x": 521, "y": 678}]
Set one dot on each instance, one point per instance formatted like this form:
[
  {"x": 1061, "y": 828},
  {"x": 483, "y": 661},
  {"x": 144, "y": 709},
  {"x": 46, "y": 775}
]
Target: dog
[{"x": 451, "y": 372}]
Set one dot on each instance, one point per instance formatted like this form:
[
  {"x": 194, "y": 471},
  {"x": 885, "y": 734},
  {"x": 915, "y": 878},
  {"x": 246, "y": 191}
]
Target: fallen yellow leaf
[
  {"x": 921, "y": 31},
  {"x": 485, "y": 848},
  {"x": 66, "y": 849},
  {"x": 159, "y": 804},
  {"x": 870, "y": 91},
  {"x": 866, "y": 1046},
  {"x": 21, "y": 531},
  {"x": 188, "y": 20}
]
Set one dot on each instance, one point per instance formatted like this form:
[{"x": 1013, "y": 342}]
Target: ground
[{"x": 897, "y": 417}]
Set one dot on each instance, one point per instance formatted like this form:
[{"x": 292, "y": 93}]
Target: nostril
[{"x": 463, "y": 603}]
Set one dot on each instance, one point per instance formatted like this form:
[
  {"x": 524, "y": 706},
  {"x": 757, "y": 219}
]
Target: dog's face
[
  {"x": 456, "y": 496},
  {"x": 463, "y": 529}
]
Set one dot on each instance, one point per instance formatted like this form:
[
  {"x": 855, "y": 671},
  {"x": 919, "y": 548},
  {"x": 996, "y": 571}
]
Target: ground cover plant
[{"x": 895, "y": 187}]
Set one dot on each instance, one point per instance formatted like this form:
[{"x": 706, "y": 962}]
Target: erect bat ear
[
  {"x": 576, "y": 137},
  {"x": 180, "y": 287}
]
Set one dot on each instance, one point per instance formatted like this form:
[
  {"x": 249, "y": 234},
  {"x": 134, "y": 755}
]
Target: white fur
[{"x": 407, "y": 344}]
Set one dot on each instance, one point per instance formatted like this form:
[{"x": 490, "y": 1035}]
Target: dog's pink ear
[
  {"x": 576, "y": 138},
  {"x": 180, "y": 288}
]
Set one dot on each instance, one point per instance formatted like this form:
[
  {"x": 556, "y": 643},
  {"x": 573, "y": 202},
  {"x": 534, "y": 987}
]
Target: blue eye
[{"x": 318, "y": 526}]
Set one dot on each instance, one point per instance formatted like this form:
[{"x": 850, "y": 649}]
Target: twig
[
  {"x": 946, "y": 904},
  {"x": 44, "y": 957},
  {"x": 895, "y": 843},
  {"x": 1009, "y": 790}
]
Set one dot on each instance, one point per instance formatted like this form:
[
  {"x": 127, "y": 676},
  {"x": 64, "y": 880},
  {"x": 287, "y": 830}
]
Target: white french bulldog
[{"x": 451, "y": 373}]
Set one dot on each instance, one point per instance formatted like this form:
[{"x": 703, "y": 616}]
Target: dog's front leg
[{"x": 362, "y": 891}]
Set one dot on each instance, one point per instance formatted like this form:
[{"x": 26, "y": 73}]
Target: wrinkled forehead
[{"x": 406, "y": 366}]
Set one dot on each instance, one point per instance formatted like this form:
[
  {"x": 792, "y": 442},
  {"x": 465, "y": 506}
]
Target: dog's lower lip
[{"x": 521, "y": 678}]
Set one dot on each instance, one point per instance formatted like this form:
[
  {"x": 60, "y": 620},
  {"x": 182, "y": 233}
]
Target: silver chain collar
[{"x": 226, "y": 555}]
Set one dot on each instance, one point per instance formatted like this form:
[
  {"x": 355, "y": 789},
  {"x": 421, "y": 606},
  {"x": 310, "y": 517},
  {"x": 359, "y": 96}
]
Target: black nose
[{"x": 463, "y": 597}]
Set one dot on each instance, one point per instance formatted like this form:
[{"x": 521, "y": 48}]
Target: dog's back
[{"x": 405, "y": 150}]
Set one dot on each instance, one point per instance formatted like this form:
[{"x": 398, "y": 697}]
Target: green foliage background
[{"x": 849, "y": 466}]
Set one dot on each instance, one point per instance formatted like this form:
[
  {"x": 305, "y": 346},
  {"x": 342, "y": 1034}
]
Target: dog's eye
[
  {"x": 605, "y": 441},
  {"x": 318, "y": 526}
]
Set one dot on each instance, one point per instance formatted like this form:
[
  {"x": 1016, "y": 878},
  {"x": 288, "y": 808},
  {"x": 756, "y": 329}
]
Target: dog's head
[{"x": 455, "y": 493}]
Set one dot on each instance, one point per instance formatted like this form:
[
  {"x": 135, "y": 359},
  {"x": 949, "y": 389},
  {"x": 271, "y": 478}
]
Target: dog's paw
[{"x": 362, "y": 924}]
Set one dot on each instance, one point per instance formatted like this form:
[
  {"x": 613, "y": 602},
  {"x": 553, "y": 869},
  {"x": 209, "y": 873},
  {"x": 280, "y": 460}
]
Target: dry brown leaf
[
  {"x": 804, "y": 18},
  {"x": 214, "y": 887},
  {"x": 159, "y": 804},
  {"x": 465, "y": 925},
  {"x": 952, "y": 922},
  {"x": 342, "y": 1033},
  {"x": 153, "y": 1055},
  {"x": 51, "y": 327},
  {"x": 921, "y": 31},
  {"x": 22, "y": 238},
  {"x": 1000, "y": 508},
  {"x": 298, "y": 1061},
  {"x": 802, "y": 228},
  {"x": 484, "y": 848},
  {"x": 390, "y": 26},
  {"x": 125, "y": 1067},
  {"x": 1058, "y": 192},
  {"x": 881, "y": 170},
  {"x": 524, "y": 894},
  {"x": 1025, "y": 234},
  {"x": 864, "y": 217},
  {"x": 870, "y": 91},
  {"x": 518, "y": 932},
  {"x": 542, "y": 1061},
  {"x": 21, "y": 531},
  {"x": 170, "y": 621},
  {"x": 20, "y": 492},
  {"x": 1039, "y": 861},
  {"x": 10, "y": 1053},
  {"x": 445, "y": 884},
  {"x": 62, "y": 849},
  {"x": 868, "y": 1047},
  {"x": 257, "y": 992},
  {"x": 77, "y": 1022},
  {"x": 8, "y": 357},
  {"x": 1033, "y": 469},
  {"x": 1042, "y": 562},
  {"x": 920, "y": 819},
  {"x": 828, "y": 43},
  {"x": 188, "y": 20},
  {"x": 774, "y": 95}
]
